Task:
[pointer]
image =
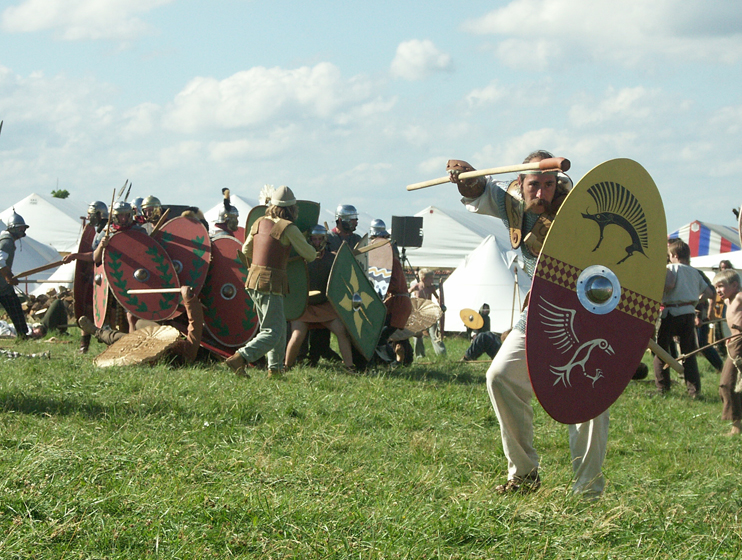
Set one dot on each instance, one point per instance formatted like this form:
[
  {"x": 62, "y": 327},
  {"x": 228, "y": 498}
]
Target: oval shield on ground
[
  {"x": 379, "y": 268},
  {"x": 295, "y": 302},
  {"x": 133, "y": 260},
  {"x": 357, "y": 304},
  {"x": 229, "y": 313},
  {"x": 100, "y": 295},
  {"x": 188, "y": 244},
  {"x": 82, "y": 287},
  {"x": 596, "y": 291}
]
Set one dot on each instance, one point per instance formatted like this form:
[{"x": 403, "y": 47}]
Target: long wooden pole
[
  {"x": 160, "y": 222},
  {"x": 550, "y": 164},
  {"x": 110, "y": 212},
  {"x": 39, "y": 269},
  {"x": 684, "y": 356},
  {"x": 665, "y": 357},
  {"x": 154, "y": 291}
]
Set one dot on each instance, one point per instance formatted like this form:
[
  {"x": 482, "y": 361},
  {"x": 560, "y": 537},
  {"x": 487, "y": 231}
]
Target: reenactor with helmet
[
  {"x": 346, "y": 222},
  {"x": 15, "y": 229},
  {"x": 228, "y": 220}
]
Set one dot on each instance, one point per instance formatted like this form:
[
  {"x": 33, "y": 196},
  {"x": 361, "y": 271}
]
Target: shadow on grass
[
  {"x": 40, "y": 405},
  {"x": 17, "y": 401},
  {"x": 443, "y": 372}
]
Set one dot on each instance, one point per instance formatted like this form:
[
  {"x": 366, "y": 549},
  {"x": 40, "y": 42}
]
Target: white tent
[
  {"x": 29, "y": 254},
  {"x": 487, "y": 275},
  {"x": 450, "y": 235},
  {"x": 710, "y": 263},
  {"x": 52, "y": 221},
  {"x": 243, "y": 205}
]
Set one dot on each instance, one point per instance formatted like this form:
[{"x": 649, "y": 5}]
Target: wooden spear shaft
[
  {"x": 154, "y": 291},
  {"x": 665, "y": 357},
  {"x": 684, "y": 356},
  {"x": 39, "y": 269},
  {"x": 550, "y": 164},
  {"x": 160, "y": 222}
]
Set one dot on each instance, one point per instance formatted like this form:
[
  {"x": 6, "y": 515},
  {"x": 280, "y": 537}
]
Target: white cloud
[
  {"x": 278, "y": 141},
  {"x": 487, "y": 95},
  {"x": 77, "y": 20},
  {"x": 416, "y": 60},
  {"x": 547, "y": 32},
  {"x": 728, "y": 120},
  {"x": 627, "y": 104},
  {"x": 260, "y": 95}
]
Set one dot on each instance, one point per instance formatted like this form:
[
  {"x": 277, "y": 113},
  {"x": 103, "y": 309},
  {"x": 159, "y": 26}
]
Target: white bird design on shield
[{"x": 558, "y": 323}]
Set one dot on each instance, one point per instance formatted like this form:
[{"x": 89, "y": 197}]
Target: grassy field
[{"x": 163, "y": 462}]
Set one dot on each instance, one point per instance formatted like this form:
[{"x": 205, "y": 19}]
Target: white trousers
[{"x": 510, "y": 391}]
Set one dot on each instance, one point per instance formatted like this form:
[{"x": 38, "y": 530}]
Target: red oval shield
[
  {"x": 229, "y": 313},
  {"x": 133, "y": 260}
]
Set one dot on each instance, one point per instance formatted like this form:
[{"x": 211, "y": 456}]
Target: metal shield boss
[
  {"x": 596, "y": 291},
  {"x": 82, "y": 286},
  {"x": 229, "y": 313},
  {"x": 133, "y": 260},
  {"x": 356, "y": 302}
]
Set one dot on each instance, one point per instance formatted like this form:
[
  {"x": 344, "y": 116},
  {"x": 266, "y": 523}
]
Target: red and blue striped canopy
[{"x": 708, "y": 239}]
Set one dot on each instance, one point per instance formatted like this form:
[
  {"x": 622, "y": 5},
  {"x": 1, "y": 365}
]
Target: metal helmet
[
  {"x": 318, "y": 231},
  {"x": 121, "y": 214},
  {"x": 344, "y": 214},
  {"x": 229, "y": 216},
  {"x": 136, "y": 204},
  {"x": 151, "y": 208},
  {"x": 16, "y": 225},
  {"x": 378, "y": 229},
  {"x": 97, "y": 212}
]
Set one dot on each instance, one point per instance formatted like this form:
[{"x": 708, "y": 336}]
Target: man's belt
[{"x": 681, "y": 304}]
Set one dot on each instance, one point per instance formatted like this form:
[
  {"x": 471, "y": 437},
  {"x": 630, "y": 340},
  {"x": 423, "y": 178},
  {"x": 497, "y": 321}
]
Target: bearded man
[{"x": 527, "y": 207}]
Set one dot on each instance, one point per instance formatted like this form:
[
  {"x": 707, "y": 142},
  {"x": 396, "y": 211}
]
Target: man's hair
[
  {"x": 679, "y": 248},
  {"x": 537, "y": 154},
  {"x": 289, "y": 213},
  {"x": 726, "y": 277},
  {"x": 540, "y": 154}
]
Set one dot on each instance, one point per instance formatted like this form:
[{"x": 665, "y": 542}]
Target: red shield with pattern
[
  {"x": 133, "y": 260},
  {"x": 229, "y": 313}
]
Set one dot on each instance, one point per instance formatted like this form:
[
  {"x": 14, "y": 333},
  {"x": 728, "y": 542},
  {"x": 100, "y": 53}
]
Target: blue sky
[{"x": 348, "y": 102}]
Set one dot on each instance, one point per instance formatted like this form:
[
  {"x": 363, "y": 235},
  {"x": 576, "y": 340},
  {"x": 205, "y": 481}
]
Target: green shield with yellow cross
[{"x": 357, "y": 304}]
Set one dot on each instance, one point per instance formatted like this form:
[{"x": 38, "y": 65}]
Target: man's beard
[{"x": 539, "y": 203}]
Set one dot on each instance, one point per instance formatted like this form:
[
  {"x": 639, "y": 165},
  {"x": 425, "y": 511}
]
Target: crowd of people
[{"x": 527, "y": 206}]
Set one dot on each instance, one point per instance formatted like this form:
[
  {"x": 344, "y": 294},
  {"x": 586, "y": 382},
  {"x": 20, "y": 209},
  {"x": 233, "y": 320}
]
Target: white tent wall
[
  {"x": 485, "y": 277},
  {"x": 52, "y": 221},
  {"x": 710, "y": 263},
  {"x": 450, "y": 235}
]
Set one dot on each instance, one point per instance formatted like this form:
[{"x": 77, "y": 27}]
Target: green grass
[{"x": 161, "y": 462}]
